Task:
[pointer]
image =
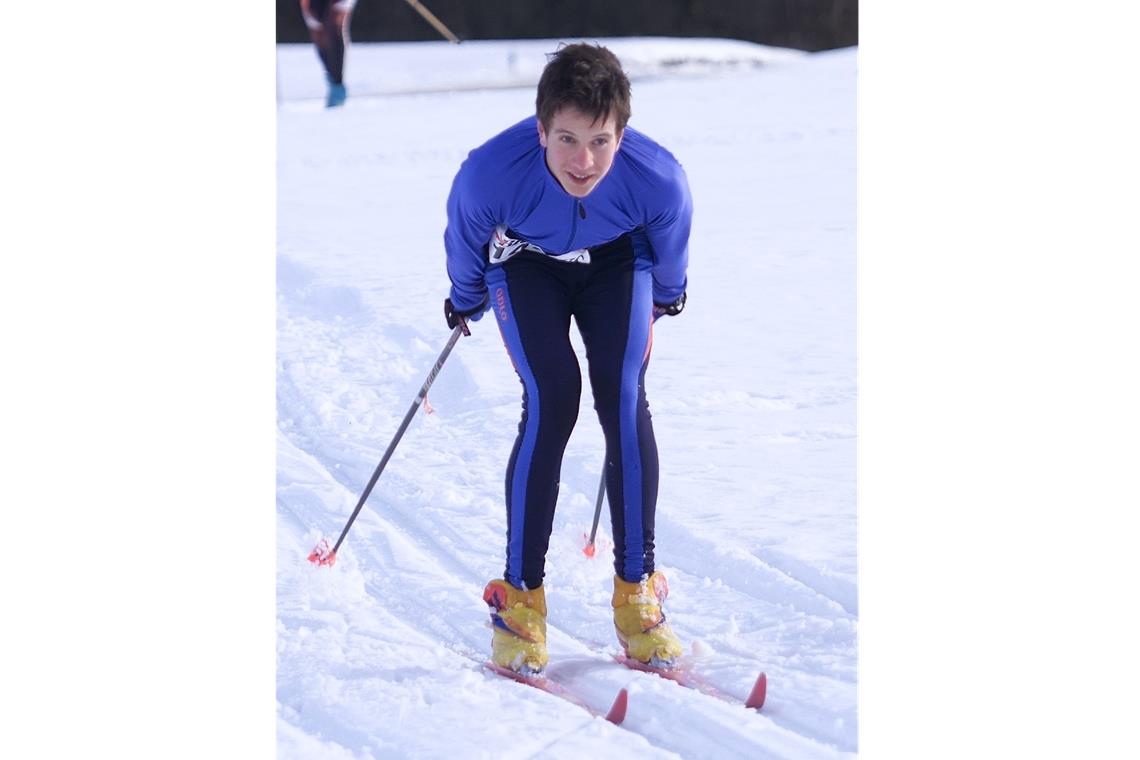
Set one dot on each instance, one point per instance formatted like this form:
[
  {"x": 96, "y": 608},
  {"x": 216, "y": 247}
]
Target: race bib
[{"x": 502, "y": 247}]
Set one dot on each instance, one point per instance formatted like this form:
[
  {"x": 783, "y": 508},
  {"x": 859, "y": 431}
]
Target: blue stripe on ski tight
[
  {"x": 508, "y": 327},
  {"x": 636, "y": 355}
]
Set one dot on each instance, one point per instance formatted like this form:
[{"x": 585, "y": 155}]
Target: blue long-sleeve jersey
[{"x": 506, "y": 181}]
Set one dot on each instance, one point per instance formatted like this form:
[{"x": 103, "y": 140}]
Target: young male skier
[{"x": 570, "y": 213}]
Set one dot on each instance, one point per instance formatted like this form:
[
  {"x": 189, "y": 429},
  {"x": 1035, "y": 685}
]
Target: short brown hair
[{"x": 587, "y": 77}]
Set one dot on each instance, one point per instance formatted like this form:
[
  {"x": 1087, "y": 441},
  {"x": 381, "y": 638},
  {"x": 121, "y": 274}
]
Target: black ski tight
[{"x": 533, "y": 297}]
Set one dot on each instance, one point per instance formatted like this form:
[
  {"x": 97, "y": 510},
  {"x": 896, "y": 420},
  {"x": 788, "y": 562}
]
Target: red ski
[
  {"x": 616, "y": 712},
  {"x": 692, "y": 680}
]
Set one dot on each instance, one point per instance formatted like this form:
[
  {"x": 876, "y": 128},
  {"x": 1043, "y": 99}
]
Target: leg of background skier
[{"x": 328, "y": 24}]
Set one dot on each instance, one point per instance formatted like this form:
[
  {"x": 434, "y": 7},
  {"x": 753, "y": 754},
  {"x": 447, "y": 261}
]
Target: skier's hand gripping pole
[{"x": 322, "y": 553}]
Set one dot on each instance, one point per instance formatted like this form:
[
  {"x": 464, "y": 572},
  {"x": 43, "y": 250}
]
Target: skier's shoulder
[
  {"x": 651, "y": 170},
  {"x": 507, "y": 153}
]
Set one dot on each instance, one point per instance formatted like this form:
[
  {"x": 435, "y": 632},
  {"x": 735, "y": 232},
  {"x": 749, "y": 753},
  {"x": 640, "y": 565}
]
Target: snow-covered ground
[
  {"x": 997, "y": 419},
  {"x": 752, "y": 390}
]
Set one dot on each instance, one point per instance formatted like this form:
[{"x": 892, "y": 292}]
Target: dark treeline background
[{"x": 802, "y": 24}]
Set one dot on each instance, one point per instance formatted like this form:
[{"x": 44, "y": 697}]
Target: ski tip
[
  {"x": 759, "y": 692},
  {"x": 617, "y": 712}
]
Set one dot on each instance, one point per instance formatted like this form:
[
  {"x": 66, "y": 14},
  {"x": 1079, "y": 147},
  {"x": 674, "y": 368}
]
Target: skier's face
[{"x": 579, "y": 149}]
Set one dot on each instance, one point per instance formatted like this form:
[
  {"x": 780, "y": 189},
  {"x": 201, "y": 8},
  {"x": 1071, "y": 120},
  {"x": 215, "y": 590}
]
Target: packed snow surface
[{"x": 752, "y": 391}]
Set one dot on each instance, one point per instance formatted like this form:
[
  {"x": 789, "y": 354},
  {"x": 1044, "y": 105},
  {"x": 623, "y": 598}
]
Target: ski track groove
[
  {"x": 709, "y": 554},
  {"x": 380, "y": 554},
  {"x": 427, "y": 615}
]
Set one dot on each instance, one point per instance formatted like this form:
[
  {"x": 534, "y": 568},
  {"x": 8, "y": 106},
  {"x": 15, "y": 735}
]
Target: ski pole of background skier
[
  {"x": 435, "y": 22},
  {"x": 322, "y": 553},
  {"x": 589, "y": 549}
]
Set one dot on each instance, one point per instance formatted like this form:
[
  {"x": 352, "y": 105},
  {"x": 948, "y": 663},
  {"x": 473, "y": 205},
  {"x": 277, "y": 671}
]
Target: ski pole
[
  {"x": 322, "y": 554},
  {"x": 590, "y": 548},
  {"x": 431, "y": 19}
]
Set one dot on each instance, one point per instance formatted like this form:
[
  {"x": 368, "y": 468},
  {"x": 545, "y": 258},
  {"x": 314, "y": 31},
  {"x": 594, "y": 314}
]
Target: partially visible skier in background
[
  {"x": 570, "y": 214},
  {"x": 328, "y": 22}
]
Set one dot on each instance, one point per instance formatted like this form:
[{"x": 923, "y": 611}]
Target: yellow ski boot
[
  {"x": 640, "y": 621},
  {"x": 519, "y": 623}
]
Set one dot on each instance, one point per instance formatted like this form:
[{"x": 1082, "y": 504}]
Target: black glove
[
  {"x": 455, "y": 318},
  {"x": 668, "y": 309}
]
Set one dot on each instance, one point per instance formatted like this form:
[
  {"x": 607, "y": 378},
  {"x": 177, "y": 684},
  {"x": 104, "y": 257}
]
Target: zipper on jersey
[{"x": 579, "y": 211}]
